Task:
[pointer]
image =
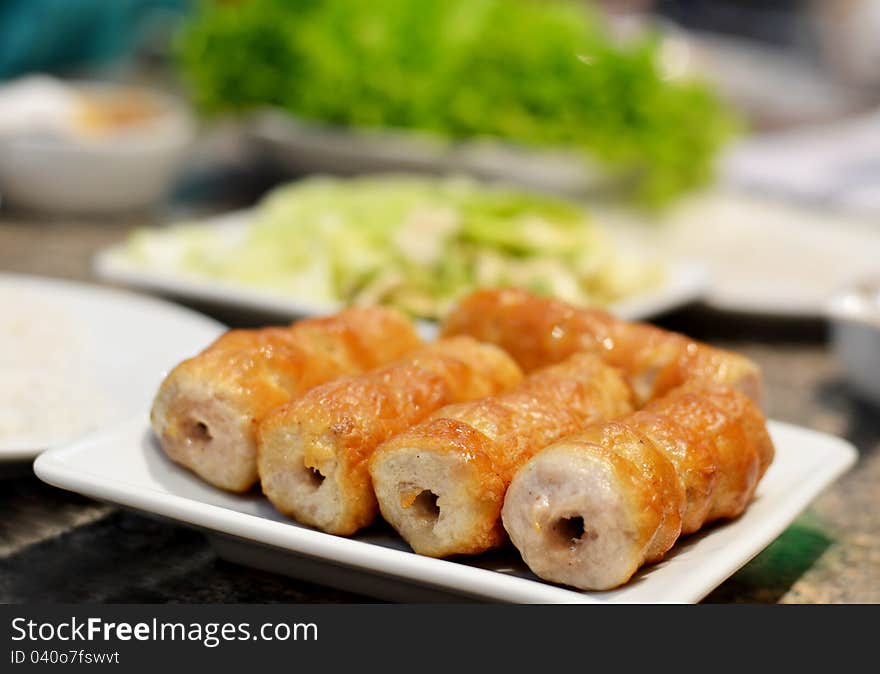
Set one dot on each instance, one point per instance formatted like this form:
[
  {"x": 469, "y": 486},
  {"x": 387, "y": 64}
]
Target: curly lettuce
[{"x": 542, "y": 73}]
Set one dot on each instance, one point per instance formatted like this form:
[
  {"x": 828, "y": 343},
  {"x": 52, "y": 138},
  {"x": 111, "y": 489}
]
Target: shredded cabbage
[{"x": 415, "y": 243}]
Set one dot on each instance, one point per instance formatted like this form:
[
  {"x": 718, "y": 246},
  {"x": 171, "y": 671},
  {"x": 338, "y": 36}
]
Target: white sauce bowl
[
  {"x": 113, "y": 172},
  {"x": 855, "y": 336}
]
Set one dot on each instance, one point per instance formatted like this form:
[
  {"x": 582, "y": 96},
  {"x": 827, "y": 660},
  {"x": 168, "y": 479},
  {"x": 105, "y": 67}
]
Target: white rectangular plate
[
  {"x": 124, "y": 465},
  {"x": 685, "y": 282}
]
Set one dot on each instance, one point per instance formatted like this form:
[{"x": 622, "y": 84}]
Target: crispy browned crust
[
  {"x": 539, "y": 331},
  {"x": 711, "y": 440},
  {"x": 692, "y": 455},
  {"x": 338, "y": 425},
  {"x": 663, "y": 495},
  {"x": 737, "y": 432},
  {"x": 230, "y": 386},
  {"x": 494, "y": 437},
  {"x": 536, "y": 331},
  {"x": 739, "y": 406}
]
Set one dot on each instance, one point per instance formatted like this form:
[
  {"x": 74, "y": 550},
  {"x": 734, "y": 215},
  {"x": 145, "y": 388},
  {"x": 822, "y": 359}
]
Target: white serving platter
[
  {"x": 685, "y": 282},
  {"x": 124, "y": 465},
  {"x": 791, "y": 220},
  {"x": 116, "y": 345},
  {"x": 299, "y": 147}
]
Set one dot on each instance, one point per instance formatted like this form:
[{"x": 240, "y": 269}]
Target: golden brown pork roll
[
  {"x": 738, "y": 433},
  {"x": 586, "y": 511},
  {"x": 441, "y": 484},
  {"x": 539, "y": 331},
  {"x": 313, "y": 452},
  {"x": 693, "y": 456},
  {"x": 207, "y": 408}
]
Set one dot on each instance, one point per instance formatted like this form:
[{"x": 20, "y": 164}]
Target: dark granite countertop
[{"x": 59, "y": 547}]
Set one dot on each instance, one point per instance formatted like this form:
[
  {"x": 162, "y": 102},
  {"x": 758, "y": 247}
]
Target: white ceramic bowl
[
  {"x": 98, "y": 174},
  {"x": 855, "y": 336}
]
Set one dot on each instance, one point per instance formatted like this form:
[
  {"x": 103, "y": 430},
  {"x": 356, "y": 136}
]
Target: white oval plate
[
  {"x": 120, "y": 347},
  {"x": 124, "y": 465}
]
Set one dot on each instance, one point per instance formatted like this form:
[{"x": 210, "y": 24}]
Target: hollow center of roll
[
  {"x": 425, "y": 505},
  {"x": 315, "y": 477},
  {"x": 199, "y": 432},
  {"x": 570, "y": 529}
]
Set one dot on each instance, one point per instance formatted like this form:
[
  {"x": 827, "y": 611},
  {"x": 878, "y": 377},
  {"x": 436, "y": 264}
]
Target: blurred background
[
  {"x": 723, "y": 151},
  {"x": 763, "y": 66},
  {"x": 741, "y": 136},
  {"x": 713, "y": 165}
]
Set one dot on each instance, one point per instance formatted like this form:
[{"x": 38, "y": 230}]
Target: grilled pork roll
[
  {"x": 738, "y": 433},
  {"x": 587, "y": 511},
  {"x": 539, "y": 331},
  {"x": 441, "y": 484},
  {"x": 313, "y": 452},
  {"x": 206, "y": 410}
]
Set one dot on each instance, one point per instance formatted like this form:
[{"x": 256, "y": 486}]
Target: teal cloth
[{"x": 55, "y": 35}]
